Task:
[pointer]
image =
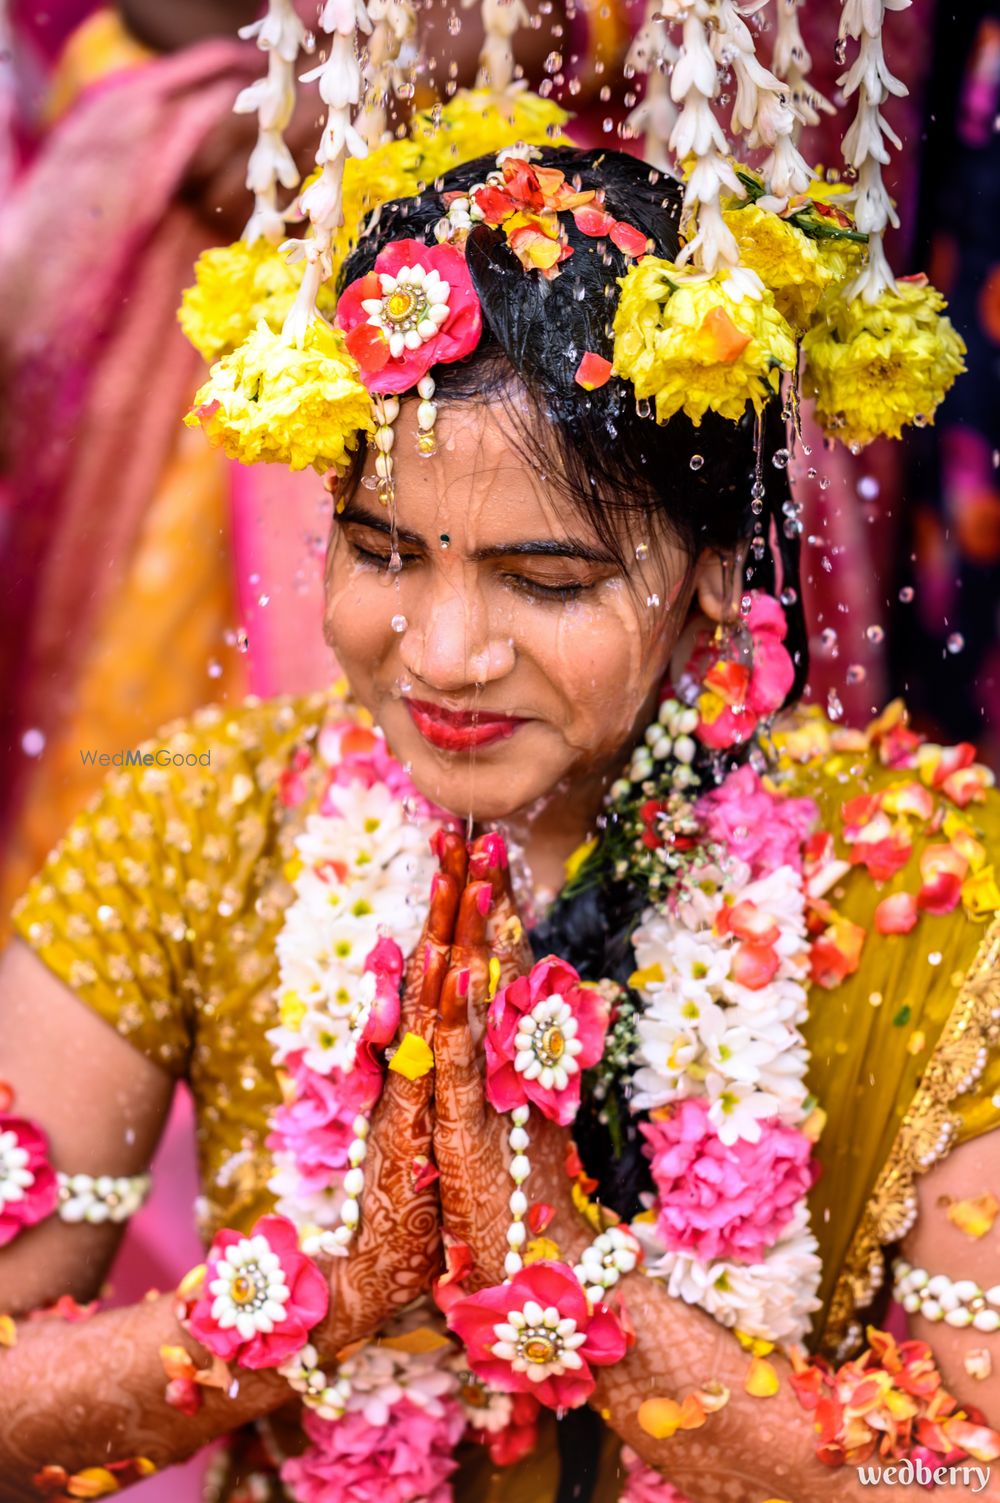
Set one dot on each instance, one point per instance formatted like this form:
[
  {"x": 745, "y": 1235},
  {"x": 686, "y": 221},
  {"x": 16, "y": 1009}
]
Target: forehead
[{"x": 484, "y": 484}]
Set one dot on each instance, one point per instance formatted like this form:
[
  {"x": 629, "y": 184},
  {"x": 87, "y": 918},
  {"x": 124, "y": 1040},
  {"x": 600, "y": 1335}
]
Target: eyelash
[{"x": 530, "y": 587}]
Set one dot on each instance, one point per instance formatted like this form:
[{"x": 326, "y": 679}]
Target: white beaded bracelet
[
  {"x": 958, "y": 1302},
  {"x": 102, "y": 1197}
]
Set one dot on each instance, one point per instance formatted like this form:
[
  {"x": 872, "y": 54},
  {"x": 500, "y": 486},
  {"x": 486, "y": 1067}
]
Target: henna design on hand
[{"x": 398, "y": 1250}]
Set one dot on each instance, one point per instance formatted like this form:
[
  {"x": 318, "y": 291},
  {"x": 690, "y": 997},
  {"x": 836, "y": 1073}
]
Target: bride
[{"x": 582, "y": 1049}]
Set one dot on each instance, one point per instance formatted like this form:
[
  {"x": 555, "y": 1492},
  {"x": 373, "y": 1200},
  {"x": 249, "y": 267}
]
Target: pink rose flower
[
  {"x": 643, "y": 1484},
  {"x": 772, "y": 674},
  {"x": 316, "y": 1126},
  {"x": 261, "y": 1296},
  {"x": 541, "y": 1031},
  {"x": 719, "y": 1201},
  {"x": 538, "y": 1334},
  {"x": 418, "y": 308},
  {"x": 350, "y": 1460},
  {"x": 29, "y": 1190},
  {"x": 384, "y": 963},
  {"x": 764, "y": 829}
]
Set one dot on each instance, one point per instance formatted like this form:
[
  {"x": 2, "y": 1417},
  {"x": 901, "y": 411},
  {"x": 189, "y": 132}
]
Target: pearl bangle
[
  {"x": 936, "y": 1297},
  {"x": 104, "y": 1197}
]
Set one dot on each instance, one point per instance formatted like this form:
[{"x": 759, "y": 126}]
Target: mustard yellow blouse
[{"x": 161, "y": 905}]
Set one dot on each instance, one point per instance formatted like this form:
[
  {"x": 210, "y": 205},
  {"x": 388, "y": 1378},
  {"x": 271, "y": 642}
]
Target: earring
[{"x": 739, "y": 674}]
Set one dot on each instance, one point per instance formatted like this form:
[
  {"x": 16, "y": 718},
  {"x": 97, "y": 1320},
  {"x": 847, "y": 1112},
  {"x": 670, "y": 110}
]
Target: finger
[
  {"x": 508, "y": 940},
  {"x": 459, "y": 1094},
  {"x": 450, "y": 849},
  {"x": 470, "y": 954}
]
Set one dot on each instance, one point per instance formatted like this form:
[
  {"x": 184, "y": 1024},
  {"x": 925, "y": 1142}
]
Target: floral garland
[
  {"x": 707, "y": 1041},
  {"x": 362, "y": 871}
]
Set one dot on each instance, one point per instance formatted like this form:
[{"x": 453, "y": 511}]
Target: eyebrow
[{"x": 549, "y": 547}]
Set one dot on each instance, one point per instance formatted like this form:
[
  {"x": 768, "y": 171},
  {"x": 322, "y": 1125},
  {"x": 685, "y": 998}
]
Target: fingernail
[
  {"x": 435, "y": 885},
  {"x": 462, "y": 983},
  {"x": 496, "y": 849},
  {"x": 484, "y": 898}
]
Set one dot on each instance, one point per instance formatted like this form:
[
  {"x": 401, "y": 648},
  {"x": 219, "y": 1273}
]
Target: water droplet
[
  {"x": 398, "y": 623},
  {"x": 834, "y": 708},
  {"x": 906, "y": 594},
  {"x": 33, "y": 742},
  {"x": 875, "y": 634},
  {"x": 242, "y": 640},
  {"x": 856, "y": 674},
  {"x": 828, "y": 638},
  {"x": 824, "y": 482},
  {"x": 454, "y": 25},
  {"x": 780, "y": 459},
  {"x": 370, "y": 482},
  {"x": 214, "y": 668},
  {"x": 641, "y": 551},
  {"x": 642, "y": 407},
  {"x": 868, "y": 488},
  {"x": 934, "y": 958},
  {"x": 956, "y": 642},
  {"x": 652, "y": 601},
  {"x": 444, "y": 540},
  {"x": 788, "y": 597},
  {"x": 263, "y": 600},
  {"x": 696, "y": 461},
  {"x": 921, "y": 420},
  {"x": 757, "y": 490},
  {"x": 253, "y": 580}
]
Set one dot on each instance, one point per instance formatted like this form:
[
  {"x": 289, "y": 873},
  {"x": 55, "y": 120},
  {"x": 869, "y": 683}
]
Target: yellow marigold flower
[
  {"x": 270, "y": 401},
  {"x": 696, "y": 343},
  {"x": 235, "y": 287},
  {"x": 874, "y": 368},
  {"x": 796, "y": 268},
  {"x": 475, "y": 122}
]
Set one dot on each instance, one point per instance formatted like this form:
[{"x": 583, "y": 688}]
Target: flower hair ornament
[{"x": 777, "y": 267}]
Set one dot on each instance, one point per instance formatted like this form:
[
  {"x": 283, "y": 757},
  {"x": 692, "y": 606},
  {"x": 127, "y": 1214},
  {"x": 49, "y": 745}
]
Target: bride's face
[{"x": 511, "y": 656}]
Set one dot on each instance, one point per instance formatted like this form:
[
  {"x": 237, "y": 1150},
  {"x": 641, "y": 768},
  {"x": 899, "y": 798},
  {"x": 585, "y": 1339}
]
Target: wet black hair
[{"x": 614, "y": 462}]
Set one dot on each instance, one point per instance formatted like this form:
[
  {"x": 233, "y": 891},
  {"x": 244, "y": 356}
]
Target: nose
[{"x": 452, "y": 644}]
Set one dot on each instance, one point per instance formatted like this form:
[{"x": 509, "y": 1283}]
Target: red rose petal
[
  {"x": 593, "y": 371},
  {"x": 590, "y": 219},
  {"x": 896, "y": 914},
  {"x": 369, "y": 347},
  {"x": 629, "y": 240}
]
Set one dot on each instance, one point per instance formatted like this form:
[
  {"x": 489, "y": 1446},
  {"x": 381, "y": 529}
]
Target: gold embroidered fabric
[{"x": 161, "y": 906}]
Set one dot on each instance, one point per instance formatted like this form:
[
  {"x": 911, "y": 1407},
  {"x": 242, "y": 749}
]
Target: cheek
[
  {"x": 605, "y": 659},
  {"x": 357, "y": 615}
]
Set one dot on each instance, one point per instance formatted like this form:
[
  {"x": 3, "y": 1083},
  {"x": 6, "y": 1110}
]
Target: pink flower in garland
[
  {"x": 261, "y": 1298},
  {"x": 764, "y": 829},
  {"x": 538, "y": 1334},
  {"x": 29, "y": 1190},
  {"x": 380, "y": 1016},
  {"x": 315, "y": 1127},
  {"x": 541, "y": 1031},
  {"x": 417, "y": 308},
  {"x": 719, "y": 1201},
  {"x": 349, "y": 1460}
]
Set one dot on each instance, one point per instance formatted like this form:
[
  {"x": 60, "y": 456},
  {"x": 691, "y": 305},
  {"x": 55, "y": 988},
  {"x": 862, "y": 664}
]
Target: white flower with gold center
[
  {"x": 251, "y": 1292},
  {"x": 412, "y": 308},
  {"x": 539, "y": 1342},
  {"x": 546, "y": 1044}
]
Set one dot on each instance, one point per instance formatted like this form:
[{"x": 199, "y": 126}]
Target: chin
[{"x": 490, "y": 783}]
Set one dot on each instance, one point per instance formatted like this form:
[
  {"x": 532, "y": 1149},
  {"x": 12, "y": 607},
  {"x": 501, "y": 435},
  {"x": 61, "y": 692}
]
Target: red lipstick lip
[{"x": 460, "y": 730}]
